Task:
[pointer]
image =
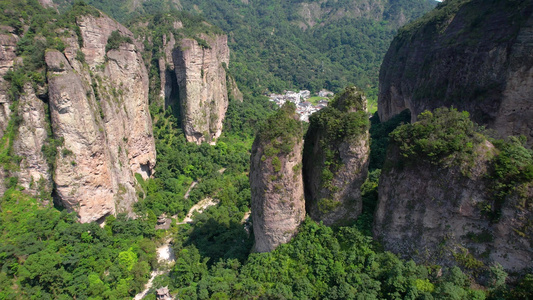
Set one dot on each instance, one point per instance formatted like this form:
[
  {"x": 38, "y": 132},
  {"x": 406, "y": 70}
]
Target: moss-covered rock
[
  {"x": 449, "y": 195},
  {"x": 336, "y": 155},
  {"x": 278, "y": 205},
  {"x": 474, "y": 55}
]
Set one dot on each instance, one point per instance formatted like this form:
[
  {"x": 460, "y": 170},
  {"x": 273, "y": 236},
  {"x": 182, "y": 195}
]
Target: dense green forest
[
  {"x": 46, "y": 254},
  {"x": 274, "y": 47}
]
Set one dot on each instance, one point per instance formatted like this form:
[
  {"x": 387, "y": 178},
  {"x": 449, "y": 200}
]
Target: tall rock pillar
[
  {"x": 201, "y": 75},
  {"x": 336, "y": 156},
  {"x": 278, "y": 205}
]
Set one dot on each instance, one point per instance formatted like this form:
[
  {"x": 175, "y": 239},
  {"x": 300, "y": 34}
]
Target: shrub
[
  {"x": 282, "y": 129},
  {"x": 438, "y": 135},
  {"x": 115, "y": 40}
]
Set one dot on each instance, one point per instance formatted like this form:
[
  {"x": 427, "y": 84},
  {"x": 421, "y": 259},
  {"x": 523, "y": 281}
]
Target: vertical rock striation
[
  {"x": 336, "y": 156},
  {"x": 195, "y": 82},
  {"x": 278, "y": 205},
  {"x": 34, "y": 173},
  {"x": 83, "y": 176},
  {"x": 99, "y": 110},
  {"x": 8, "y": 45},
  {"x": 469, "y": 54},
  {"x": 201, "y": 76}
]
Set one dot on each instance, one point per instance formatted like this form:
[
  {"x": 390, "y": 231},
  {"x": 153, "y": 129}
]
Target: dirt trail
[
  {"x": 165, "y": 252},
  {"x": 193, "y": 184},
  {"x": 198, "y": 207}
]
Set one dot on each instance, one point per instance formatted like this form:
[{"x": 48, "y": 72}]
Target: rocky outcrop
[
  {"x": 454, "y": 211},
  {"x": 195, "y": 83},
  {"x": 203, "y": 94},
  {"x": 34, "y": 173},
  {"x": 314, "y": 14},
  {"x": 99, "y": 110},
  {"x": 167, "y": 74},
  {"x": 47, "y": 3},
  {"x": 470, "y": 54},
  {"x": 8, "y": 44},
  {"x": 276, "y": 180},
  {"x": 336, "y": 156}
]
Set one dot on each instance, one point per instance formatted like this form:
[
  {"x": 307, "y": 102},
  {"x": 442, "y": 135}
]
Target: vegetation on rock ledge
[{"x": 281, "y": 130}]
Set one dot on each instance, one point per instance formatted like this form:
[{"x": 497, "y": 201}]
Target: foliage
[
  {"x": 270, "y": 49},
  {"x": 439, "y": 136},
  {"x": 281, "y": 130},
  {"x": 155, "y": 30},
  {"x": 317, "y": 263},
  {"x": 343, "y": 121},
  {"x": 447, "y": 136},
  {"x": 8, "y": 159},
  {"x": 275, "y": 48},
  {"x": 46, "y": 254},
  {"x": 243, "y": 118},
  {"x": 512, "y": 172},
  {"x": 180, "y": 163},
  {"x": 115, "y": 40},
  {"x": 338, "y": 122},
  {"x": 369, "y": 194},
  {"x": 122, "y": 10},
  {"x": 379, "y": 135}
]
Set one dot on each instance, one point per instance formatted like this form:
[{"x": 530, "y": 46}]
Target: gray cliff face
[
  {"x": 47, "y": 3},
  {"x": 278, "y": 205},
  {"x": 195, "y": 83},
  {"x": 8, "y": 45},
  {"x": 313, "y": 14},
  {"x": 233, "y": 89},
  {"x": 99, "y": 115},
  {"x": 475, "y": 58},
  {"x": 203, "y": 94},
  {"x": 342, "y": 202},
  {"x": 100, "y": 111},
  {"x": 30, "y": 131},
  {"x": 169, "y": 84},
  {"x": 335, "y": 168},
  {"x": 34, "y": 172},
  {"x": 83, "y": 179},
  {"x": 434, "y": 214}
]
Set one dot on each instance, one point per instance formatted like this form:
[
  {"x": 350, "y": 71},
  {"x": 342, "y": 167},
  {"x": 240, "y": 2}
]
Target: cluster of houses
[{"x": 303, "y": 107}]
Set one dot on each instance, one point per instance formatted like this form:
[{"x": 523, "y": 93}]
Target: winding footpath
[{"x": 164, "y": 252}]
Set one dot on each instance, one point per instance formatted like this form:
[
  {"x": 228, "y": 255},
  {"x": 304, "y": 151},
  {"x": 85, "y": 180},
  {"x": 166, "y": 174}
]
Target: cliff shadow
[
  {"x": 218, "y": 240},
  {"x": 172, "y": 99}
]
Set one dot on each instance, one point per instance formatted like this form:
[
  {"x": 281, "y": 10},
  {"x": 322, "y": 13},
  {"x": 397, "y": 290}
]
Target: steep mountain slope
[
  {"x": 85, "y": 128},
  {"x": 294, "y": 44},
  {"x": 311, "y": 44},
  {"x": 204, "y": 99},
  {"x": 189, "y": 61},
  {"x": 470, "y": 54},
  {"x": 99, "y": 109}
]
